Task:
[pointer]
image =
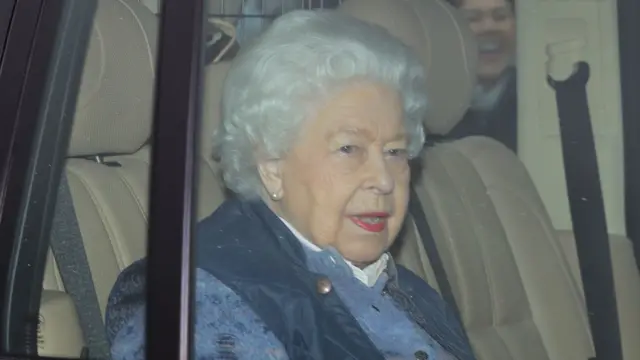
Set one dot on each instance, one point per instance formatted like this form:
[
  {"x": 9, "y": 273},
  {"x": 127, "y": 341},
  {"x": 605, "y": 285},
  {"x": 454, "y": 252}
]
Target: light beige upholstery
[
  {"x": 627, "y": 282},
  {"x": 107, "y": 175},
  {"x": 507, "y": 269},
  {"x": 113, "y": 115},
  {"x": 59, "y": 332}
]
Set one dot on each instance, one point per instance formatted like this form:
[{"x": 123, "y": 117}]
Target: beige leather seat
[{"x": 518, "y": 297}]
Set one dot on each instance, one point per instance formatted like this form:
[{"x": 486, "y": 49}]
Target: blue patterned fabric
[
  {"x": 257, "y": 306},
  {"x": 388, "y": 327},
  {"x": 226, "y": 327}
]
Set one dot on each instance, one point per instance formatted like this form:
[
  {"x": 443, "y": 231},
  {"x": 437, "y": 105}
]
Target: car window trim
[
  {"x": 13, "y": 69},
  {"x": 43, "y": 121},
  {"x": 6, "y": 12},
  {"x": 177, "y": 113},
  {"x": 628, "y": 27},
  {"x": 17, "y": 45}
]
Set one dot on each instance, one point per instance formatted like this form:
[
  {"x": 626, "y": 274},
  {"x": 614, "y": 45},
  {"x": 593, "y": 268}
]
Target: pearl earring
[{"x": 274, "y": 196}]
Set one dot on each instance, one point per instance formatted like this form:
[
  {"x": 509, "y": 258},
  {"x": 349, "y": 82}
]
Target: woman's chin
[{"x": 363, "y": 258}]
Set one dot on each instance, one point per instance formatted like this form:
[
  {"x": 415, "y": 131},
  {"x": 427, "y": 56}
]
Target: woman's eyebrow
[
  {"x": 350, "y": 131},
  {"x": 401, "y": 136}
]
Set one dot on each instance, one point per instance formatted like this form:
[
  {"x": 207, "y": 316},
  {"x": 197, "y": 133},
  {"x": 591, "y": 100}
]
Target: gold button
[
  {"x": 323, "y": 286},
  {"x": 421, "y": 355}
]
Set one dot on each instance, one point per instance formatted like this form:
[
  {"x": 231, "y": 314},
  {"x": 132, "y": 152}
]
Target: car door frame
[
  {"x": 176, "y": 117},
  {"x": 34, "y": 136},
  {"x": 46, "y": 42},
  {"x": 628, "y": 27}
]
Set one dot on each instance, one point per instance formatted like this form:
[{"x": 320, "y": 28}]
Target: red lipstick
[{"x": 373, "y": 222}]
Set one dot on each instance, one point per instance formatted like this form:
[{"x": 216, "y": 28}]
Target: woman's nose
[{"x": 380, "y": 176}]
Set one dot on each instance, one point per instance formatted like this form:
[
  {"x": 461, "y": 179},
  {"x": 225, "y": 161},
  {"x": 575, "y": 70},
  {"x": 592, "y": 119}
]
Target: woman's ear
[{"x": 271, "y": 176}]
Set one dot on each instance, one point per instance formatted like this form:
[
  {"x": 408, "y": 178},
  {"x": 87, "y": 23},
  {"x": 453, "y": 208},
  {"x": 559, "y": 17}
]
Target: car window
[
  {"x": 81, "y": 138},
  {"x": 497, "y": 210},
  {"x": 36, "y": 102},
  {"x": 251, "y": 180}
]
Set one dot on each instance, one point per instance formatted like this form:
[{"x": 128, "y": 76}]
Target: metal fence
[{"x": 233, "y": 23}]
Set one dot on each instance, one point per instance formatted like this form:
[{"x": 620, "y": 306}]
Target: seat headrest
[
  {"x": 114, "y": 109},
  {"x": 211, "y": 113},
  {"x": 444, "y": 42}
]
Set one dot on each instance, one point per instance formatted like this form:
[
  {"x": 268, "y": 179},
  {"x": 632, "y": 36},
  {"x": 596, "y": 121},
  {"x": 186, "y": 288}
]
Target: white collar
[{"x": 369, "y": 275}]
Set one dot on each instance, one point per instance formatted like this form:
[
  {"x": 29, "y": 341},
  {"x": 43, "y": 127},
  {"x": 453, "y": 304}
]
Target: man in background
[{"x": 493, "y": 111}]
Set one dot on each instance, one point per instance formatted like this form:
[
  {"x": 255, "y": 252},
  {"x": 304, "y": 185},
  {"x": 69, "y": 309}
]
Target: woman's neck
[{"x": 366, "y": 273}]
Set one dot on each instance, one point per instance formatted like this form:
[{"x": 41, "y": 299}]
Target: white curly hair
[{"x": 276, "y": 83}]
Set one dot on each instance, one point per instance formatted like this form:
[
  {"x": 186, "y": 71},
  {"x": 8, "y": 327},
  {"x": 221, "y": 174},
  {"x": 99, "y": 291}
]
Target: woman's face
[
  {"x": 494, "y": 24},
  {"x": 345, "y": 182}
]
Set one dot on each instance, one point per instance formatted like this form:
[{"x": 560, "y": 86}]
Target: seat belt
[
  {"x": 429, "y": 243},
  {"x": 588, "y": 212},
  {"x": 69, "y": 253}
]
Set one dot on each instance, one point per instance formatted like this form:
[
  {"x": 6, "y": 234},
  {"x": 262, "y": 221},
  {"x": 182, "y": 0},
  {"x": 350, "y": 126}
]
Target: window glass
[
  {"x": 293, "y": 226},
  {"x": 323, "y": 227},
  {"x": 98, "y": 225}
]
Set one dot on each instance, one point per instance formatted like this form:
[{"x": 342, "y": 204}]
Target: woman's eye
[
  {"x": 397, "y": 152},
  {"x": 348, "y": 149}
]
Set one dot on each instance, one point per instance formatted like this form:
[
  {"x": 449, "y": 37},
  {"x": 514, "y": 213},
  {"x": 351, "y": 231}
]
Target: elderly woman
[{"x": 320, "y": 119}]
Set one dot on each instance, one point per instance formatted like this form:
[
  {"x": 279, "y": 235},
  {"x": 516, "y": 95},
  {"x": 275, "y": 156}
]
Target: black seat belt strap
[
  {"x": 588, "y": 212},
  {"x": 69, "y": 252},
  {"x": 429, "y": 243}
]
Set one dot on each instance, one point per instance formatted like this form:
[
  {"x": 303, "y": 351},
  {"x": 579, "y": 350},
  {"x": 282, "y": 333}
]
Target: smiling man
[{"x": 493, "y": 111}]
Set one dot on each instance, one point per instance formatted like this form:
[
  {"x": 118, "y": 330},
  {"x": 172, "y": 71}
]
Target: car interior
[{"x": 500, "y": 220}]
